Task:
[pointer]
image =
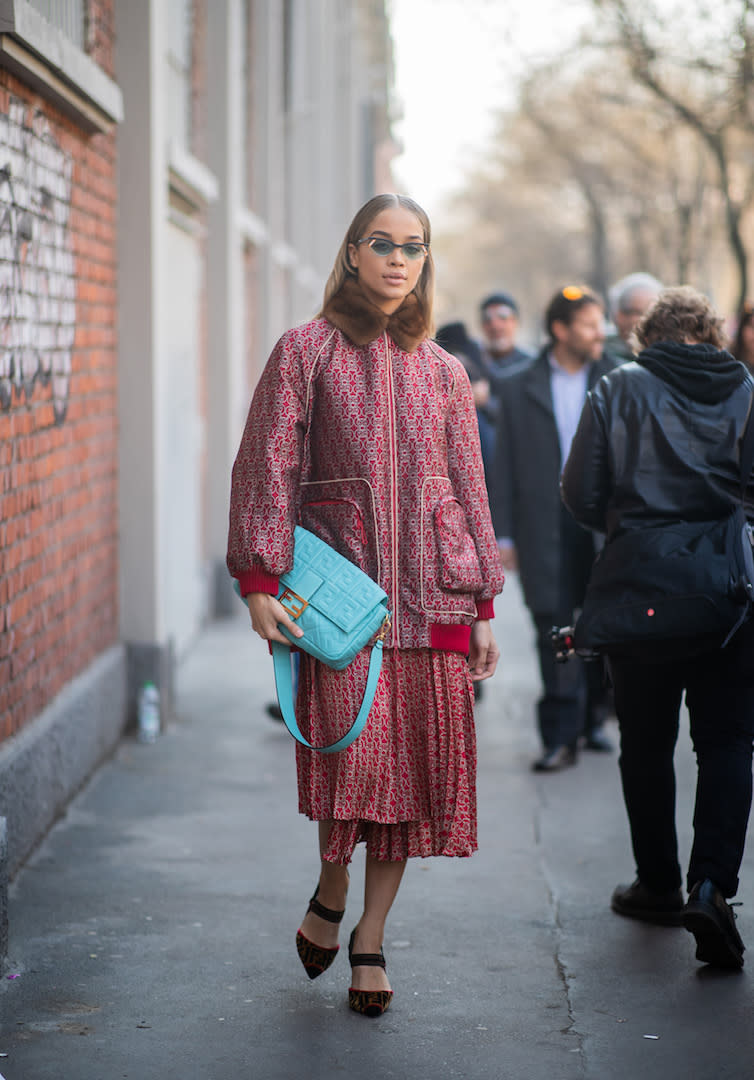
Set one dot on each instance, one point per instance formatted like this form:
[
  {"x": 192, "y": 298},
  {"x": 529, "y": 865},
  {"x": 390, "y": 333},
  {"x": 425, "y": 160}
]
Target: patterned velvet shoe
[
  {"x": 367, "y": 1002},
  {"x": 317, "y": 958}
]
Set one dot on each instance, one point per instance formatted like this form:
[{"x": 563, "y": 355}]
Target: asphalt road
[{"x": 152, "y": 931}]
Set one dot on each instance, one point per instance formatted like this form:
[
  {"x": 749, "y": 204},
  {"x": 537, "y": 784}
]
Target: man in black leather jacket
[{"x": 658, "y": 442}]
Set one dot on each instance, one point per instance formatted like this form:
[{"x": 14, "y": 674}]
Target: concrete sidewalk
[{"x": 152, "y": 932}]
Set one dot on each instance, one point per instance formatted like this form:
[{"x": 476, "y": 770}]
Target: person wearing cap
[
  {"x": 630, "y": 299},
  {"x": 499, "y": 316},
  {"x": 540, "y": 406}
]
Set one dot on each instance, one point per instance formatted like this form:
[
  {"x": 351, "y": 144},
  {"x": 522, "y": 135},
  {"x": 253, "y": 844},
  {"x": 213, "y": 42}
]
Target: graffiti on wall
[{"x": 37, "y": 269}]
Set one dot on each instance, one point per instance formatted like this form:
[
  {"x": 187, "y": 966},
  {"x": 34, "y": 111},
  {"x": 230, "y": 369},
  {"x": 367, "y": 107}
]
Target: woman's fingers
[
  {"x": 267, "y": 615},
  {"x": 483, "y": 651}
]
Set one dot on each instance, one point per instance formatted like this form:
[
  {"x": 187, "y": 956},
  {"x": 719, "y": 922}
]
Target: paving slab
[{"x": 152, "y": 931}]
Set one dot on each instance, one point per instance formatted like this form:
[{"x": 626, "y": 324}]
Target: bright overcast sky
[{"x": 456, "y": 62}]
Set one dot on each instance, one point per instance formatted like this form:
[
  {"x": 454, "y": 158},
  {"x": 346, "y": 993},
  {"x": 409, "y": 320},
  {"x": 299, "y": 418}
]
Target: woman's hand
[
  {"x": 266, "y": 612},
  {"x": 483, "y": 651}
]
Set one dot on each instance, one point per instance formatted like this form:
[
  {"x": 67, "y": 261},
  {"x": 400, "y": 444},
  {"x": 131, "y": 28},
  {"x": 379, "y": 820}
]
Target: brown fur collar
[{"x": 362, "y": 321}]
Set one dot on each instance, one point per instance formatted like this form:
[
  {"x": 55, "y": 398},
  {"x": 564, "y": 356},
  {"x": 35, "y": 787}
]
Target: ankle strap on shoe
[
  {"x": 325, "y": 912},
  {"x": 366, "y": 959}
]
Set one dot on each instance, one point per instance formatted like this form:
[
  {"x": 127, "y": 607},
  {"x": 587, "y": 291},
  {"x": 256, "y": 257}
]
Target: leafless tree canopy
[{"x": 634, "y": 151}]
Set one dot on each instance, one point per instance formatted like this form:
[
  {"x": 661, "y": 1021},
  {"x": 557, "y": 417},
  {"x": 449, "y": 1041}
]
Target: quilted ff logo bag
[{"x": 341, "y": 610}]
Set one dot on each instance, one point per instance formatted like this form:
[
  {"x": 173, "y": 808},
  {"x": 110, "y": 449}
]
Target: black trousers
[
  {"x": 719, "y": 686},
  {"x": 574, "y": 700}
]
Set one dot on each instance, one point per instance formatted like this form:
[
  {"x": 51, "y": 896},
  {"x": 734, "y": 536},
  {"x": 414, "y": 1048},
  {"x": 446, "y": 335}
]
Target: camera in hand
[{"x": 564, "y": 646}]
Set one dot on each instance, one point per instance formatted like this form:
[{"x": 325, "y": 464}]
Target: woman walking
[{"x": 363, "y": 431}]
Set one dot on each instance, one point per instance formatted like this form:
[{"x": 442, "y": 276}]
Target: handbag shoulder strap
[{"x": 281, "y": 657}]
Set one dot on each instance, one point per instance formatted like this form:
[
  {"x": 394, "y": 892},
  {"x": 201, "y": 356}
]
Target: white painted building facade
[{"x": 253, "y": 130}]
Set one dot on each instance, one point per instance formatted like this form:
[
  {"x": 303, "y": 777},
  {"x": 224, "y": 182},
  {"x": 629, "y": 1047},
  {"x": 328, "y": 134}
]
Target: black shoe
[
  {"x": 596, "y": 739},
  {"x": 274, "y": 710},
  {"x": 638, "y": 902},
  {"x": 559, "y": 757},
  {"x": 710, "y": 919}
]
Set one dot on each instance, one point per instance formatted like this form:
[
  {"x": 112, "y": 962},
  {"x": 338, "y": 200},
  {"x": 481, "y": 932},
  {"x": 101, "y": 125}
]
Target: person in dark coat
[
  {"x": 540, "y": 404},
  {"x": 455, "y": 339},
  {"x": 659, "y": 442},
  {"x": 500, "y": 354}
]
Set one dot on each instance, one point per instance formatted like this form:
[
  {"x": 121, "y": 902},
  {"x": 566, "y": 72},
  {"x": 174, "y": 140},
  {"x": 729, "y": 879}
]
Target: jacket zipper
[{"x": 393, "y": 442}]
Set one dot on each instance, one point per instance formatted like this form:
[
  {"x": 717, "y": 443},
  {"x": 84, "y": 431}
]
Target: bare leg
[
  {"x": 333, "y": 887},
  {"x": 381, "y": 883}
]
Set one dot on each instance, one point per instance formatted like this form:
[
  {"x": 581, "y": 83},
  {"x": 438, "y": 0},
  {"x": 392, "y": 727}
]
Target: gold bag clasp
[{"x": 294, "y": 604}]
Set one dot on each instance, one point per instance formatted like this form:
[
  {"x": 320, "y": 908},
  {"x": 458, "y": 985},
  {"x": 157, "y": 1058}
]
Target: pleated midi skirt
[{"x": 407, "y": 785}]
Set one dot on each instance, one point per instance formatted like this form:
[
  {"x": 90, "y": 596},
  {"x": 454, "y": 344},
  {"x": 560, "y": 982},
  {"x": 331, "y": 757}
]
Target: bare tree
[{"x": 707, "y": 84}]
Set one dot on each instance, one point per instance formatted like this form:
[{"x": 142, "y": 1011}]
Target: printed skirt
[{"x": 407, "y": 785}]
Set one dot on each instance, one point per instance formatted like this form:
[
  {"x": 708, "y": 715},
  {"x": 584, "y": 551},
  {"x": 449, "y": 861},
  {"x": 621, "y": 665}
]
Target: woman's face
[{"x": 388, "y": 279}]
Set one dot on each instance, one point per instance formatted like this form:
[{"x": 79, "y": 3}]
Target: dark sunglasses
[{"x": 414, "y": 249}]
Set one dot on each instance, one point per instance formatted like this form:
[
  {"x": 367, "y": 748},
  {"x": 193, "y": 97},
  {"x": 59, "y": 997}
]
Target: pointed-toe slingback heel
[
  {"x": 367, "y": 1002},
  {"x": 317, "y": 958}
]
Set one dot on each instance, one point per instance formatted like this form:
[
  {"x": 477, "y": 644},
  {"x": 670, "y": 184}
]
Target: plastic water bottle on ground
[{"x": 149, "y": 713}]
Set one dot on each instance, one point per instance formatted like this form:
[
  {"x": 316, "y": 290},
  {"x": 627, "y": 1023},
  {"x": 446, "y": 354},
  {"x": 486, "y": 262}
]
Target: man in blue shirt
[{"x": 539, "y": 408}]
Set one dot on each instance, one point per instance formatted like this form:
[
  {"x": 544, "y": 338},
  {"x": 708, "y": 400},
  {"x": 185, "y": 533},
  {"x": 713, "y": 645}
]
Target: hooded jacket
[
  {"x": 364, "y": 432},
  {"x": 659, "y": 441}
]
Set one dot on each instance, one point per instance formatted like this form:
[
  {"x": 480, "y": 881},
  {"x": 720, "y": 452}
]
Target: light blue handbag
[{"x": 341, "y": 610}]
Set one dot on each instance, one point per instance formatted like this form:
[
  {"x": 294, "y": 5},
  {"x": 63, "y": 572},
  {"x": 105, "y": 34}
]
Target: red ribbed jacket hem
[
  {"x": 454, "y": 638},
  {"x": 485, "y": 609},
  {"x": 258, "y": 580}
]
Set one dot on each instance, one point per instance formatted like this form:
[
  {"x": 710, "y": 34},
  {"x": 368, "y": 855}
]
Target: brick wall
[
  {"x": 58, "y": 394},
  {"x": 100, "y": 34}
]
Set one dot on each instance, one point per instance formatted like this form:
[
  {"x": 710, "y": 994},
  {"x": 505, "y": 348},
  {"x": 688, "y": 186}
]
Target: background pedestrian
[
  {"x": 540, "y": 405},
  {"x": 659, "y": 441},
  {"x": 500, "y": 353},
  {"x": 630, "y": 299}
]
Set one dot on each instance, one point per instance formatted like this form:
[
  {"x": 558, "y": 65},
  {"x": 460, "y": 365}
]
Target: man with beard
[
  {"x": 540, "y": 406},
  {"x": 500, "y": 354}
]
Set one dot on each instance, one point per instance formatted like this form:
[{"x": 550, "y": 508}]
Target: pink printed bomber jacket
[{"x": 364, "y": 432}]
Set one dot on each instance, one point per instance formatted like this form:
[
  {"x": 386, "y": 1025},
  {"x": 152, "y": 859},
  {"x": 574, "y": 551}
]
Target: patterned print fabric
[
  {"x": 407, "y": 785},
  {"x": 376, "y": 451}
]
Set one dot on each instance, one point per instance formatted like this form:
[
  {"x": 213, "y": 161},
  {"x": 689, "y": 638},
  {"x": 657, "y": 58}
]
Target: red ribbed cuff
[
  {"x": 454, "y": 638},
  {"x": 258, "y": 580},
  {"x": 485, "y": 609}
]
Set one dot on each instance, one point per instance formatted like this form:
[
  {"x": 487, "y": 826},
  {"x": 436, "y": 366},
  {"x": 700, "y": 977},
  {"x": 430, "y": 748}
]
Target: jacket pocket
[
  {"x": 451, "y": 573},
  {"x": 459, "y": 562},
  {"x": 335, "y": 512}
]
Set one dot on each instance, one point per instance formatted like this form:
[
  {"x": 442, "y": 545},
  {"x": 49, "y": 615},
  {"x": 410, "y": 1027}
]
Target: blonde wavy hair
[{"x": 359, "y": 228}]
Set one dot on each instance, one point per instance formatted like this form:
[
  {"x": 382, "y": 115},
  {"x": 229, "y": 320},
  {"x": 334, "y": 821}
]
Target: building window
[
  {"x": 179, "y": 63},
  {"x": 66, "y": 15},
  {"x": 43, "y": 43}
]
